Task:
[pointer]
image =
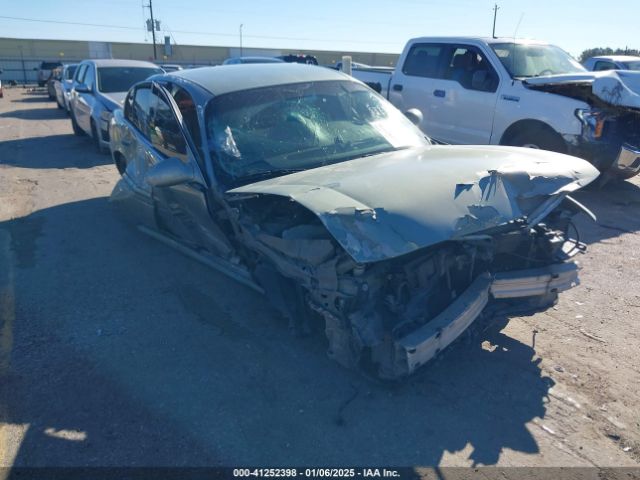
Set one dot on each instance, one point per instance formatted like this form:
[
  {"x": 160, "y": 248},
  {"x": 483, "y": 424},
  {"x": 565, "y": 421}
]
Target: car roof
[
  {"x": 115, "y": 62},
  {"x": 616, "y": 58},
  {"x": 232, "y": 78},
  {"x": 489, "y": 40}
]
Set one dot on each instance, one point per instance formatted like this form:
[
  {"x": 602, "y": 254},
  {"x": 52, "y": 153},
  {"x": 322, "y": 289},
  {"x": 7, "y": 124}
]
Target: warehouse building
[{"x": 21, "y": 58}]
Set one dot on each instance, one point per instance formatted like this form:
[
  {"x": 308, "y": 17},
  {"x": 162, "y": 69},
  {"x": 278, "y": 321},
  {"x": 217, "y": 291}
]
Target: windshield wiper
[{"x": 267, "y": 174}]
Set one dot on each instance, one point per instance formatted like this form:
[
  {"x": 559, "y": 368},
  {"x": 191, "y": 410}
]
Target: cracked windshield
[{"x": 274, "y": 130}]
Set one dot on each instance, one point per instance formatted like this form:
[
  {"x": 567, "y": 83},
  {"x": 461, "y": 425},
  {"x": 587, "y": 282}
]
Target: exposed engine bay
[{"x": 369, "y": 308}]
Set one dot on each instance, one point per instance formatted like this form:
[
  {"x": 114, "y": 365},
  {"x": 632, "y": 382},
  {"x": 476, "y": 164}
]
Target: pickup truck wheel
[
  {"x": 76, "y": 128},
  {"x": 539, "y": 138}
]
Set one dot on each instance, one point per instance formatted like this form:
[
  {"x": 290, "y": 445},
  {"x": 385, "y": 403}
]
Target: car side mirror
[
  {"x": 82, "y": 88},
  {"x": 414, "y": 115},
  {"x": 171, "y": 171}
]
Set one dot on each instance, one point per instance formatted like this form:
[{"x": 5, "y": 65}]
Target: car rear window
[{"x": 121, "y": 79}]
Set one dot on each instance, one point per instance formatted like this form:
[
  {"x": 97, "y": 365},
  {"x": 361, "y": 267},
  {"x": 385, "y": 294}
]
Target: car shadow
[
  {"x": 126, "y": 353},
  {"x": 33, "y": 98},
  {"x": 47, "y": 113},
  {"x": 616, "y": 207},
  {"x": 52, "y": 151}
]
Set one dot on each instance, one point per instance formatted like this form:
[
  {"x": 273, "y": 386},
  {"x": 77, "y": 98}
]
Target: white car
[
  {"x": 99, "y": 87},
  {"x": 612, "y": 62},
  {"x": 63, "y": 85}
]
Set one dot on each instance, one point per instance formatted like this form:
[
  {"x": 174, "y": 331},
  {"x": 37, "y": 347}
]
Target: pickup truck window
[
  {"x": 530, "y": 60},
  {"x": 423, "y": 60},
  {"x": 467, "y": 66},
  {"x": 602, "y": 65}
]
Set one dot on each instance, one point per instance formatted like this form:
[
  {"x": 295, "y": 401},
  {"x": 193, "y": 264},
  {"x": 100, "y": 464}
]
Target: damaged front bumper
[
  {"x": 613, "y": 159},
  {"x": 421, "y": 345},
  {"x": 627, "y": 163}
]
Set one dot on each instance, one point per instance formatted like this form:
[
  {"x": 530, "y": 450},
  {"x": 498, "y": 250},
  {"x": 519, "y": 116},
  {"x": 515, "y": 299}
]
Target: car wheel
[
  {"x": 76, "y": 128},
  {"x": 538, "y": 138},
  {"x": 58, "y": 103},
  {"x": 95, "y": 135}
]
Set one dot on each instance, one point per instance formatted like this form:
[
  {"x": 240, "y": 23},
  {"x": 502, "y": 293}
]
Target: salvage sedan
[{"x": 304, "y": 184}]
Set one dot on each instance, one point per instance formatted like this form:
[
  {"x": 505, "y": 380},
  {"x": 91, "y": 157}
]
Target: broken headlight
[{"x": 592, "y": 120}]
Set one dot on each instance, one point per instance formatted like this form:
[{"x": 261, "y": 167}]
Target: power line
[
  {"x": 69, "y": 23},
  {"x": 214, "y": 34}
]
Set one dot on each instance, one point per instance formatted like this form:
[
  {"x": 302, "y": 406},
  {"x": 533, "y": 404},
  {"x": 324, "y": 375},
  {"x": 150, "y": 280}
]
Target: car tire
[
  {"x": 538, "y": 138},
  {"x": 74, "y": 125},
  {"x": 58, "y": 104},
  {"x": 96, "y": 138}
]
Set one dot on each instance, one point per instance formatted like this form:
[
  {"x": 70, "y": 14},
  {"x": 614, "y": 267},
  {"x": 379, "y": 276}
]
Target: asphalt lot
[{"x": 117, "y": 350}]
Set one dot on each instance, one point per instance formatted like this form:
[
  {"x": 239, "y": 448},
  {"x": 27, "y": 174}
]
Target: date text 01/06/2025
[{"x": 316, "y": 472}]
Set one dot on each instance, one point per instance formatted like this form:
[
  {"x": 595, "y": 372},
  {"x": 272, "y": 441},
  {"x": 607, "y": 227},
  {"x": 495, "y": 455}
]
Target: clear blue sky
[{"x": 360, "y": 25}]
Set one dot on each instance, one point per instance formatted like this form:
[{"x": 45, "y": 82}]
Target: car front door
[
  {"x": 181, "y": 210},
  {"x": 454, "y": 86},
  {"x": 417, "y": 82},
  {"x": 466, "y": 104},
  {"x": 85, "y": 100}
]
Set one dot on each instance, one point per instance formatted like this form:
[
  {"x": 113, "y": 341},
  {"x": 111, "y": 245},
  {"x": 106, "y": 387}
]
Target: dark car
[
  {"x": 300, "y": 58},
  {"x": 304, "y": 184}
]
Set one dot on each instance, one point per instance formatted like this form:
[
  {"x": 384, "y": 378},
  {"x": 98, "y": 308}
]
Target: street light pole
[
  {"x": 241, "y": 39},
  {"x": 495, "y": 14}
]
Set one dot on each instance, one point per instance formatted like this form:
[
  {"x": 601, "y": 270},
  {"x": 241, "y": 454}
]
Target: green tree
[{"x": 595, "y": 52}]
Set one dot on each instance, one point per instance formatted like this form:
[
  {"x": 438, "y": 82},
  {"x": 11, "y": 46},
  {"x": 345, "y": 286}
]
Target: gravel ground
[{"x": 117, "y": 351}]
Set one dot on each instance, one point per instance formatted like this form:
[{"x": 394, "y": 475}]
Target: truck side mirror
[{"x": 414, "y": 115}]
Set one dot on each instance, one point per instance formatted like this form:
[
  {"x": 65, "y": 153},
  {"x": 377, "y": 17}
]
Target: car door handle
[
  {"x": 397, "y": 87},
  {"x": 439, "y": 93}
]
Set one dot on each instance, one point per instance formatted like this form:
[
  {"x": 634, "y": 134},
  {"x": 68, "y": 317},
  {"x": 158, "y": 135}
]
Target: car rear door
[
  {"x": 415, "y": 84},
  {"x": 181, "y": 210}
]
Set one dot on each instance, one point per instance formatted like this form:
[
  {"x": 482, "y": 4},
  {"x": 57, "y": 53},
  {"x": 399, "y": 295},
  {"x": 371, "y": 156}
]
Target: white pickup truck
[{"x": 514, "y": 92}]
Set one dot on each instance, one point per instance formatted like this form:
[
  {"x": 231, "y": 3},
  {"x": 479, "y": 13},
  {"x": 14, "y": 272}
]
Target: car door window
[
  {"x": 81, "y": 72},
  {"x": 164, "y": 130},
  {"x": 604, "y": 66},
  {"x": 469, "y": 67},
  {"x": 90, "y": 78},
  {"x": 141, "y": 109},
  {"x": 423, "y": 60}
]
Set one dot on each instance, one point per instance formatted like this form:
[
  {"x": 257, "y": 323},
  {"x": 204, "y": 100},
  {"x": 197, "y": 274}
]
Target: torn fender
[
  {"x": 611, "y": 87},
  {"x": 391, "y": 204}
]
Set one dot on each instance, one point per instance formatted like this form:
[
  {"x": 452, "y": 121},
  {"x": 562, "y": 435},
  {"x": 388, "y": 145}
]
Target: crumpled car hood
[
  {"x": 391, "y": 204},
  {"x": 615, "y": 87}
]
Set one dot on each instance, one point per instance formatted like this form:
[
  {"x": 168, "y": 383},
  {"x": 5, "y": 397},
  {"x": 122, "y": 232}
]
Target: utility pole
[
  {"x": 240, "y": 38},
  {"x": 153, "y": 29},
  {"x": 495, "y": 14}
]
